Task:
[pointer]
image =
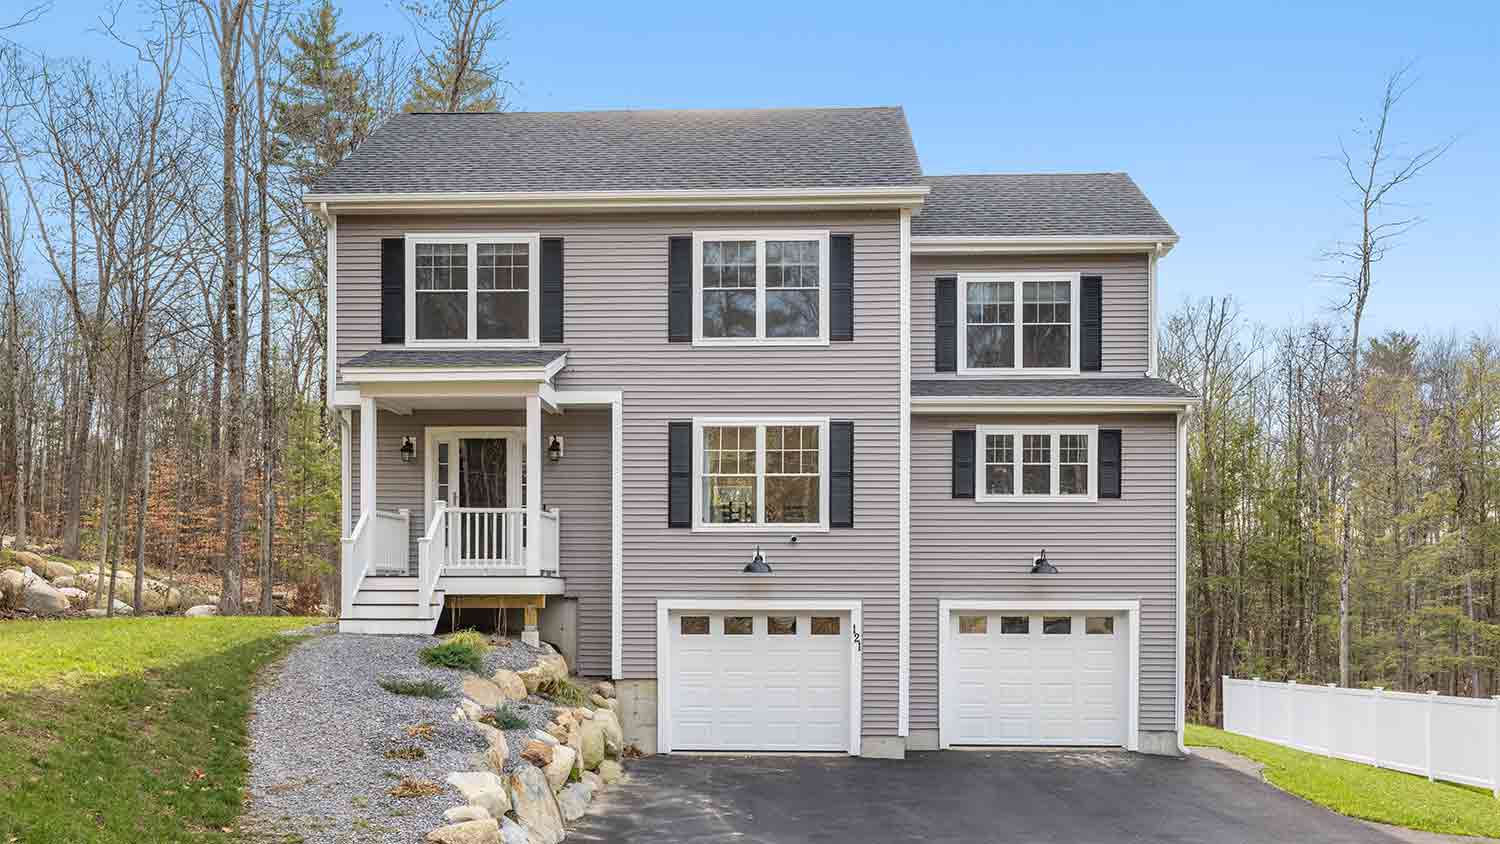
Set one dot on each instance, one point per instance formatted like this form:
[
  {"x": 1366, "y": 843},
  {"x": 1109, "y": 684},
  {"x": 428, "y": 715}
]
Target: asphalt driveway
[{"x": 1067, "y": 797}]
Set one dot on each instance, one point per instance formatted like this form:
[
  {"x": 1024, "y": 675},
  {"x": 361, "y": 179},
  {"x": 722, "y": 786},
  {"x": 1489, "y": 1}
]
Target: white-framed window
[
  {"x": 1020, "y": 323},
  {"x": 760, "y": 474},
  {"x": 473, "y": 289},
  {"x": 1037, "y": 462},
  {"x": 760, "y": 287}
]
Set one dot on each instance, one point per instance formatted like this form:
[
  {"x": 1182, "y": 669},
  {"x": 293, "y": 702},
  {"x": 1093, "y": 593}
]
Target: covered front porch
[{"x": 459, "y": 484}]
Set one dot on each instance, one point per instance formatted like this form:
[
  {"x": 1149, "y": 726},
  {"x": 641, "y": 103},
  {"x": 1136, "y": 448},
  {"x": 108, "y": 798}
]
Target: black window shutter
[
  {"x": 947, "y": 325},
  {"x": 1091, "y": 322},
  {"x": 680, "y": 290},
  {"x": 679, "y": 474},
  {"x": 393, "y": 290},
  {"x": 841, "y": 471},
  {"x": 963, "y": 464},
  {"x": 841, "y": 287},
  {"x": 552, "y": 290},
  {"x": 1110, "y": 464}
]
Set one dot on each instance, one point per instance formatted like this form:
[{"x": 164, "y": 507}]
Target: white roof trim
[
  {"x": 442, "y": 374},
  {"x": 906, "y": 196},
  {"x": 1049, "y": 404},
  {"x": 966, "y": 244}
]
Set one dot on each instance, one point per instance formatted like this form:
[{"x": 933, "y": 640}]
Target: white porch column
[
  {"x": 367, "y": 415},
  {"x": 535, "y": 454}
]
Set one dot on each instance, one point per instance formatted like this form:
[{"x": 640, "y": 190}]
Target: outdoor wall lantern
[
  {"x": 757, "y": 564},
  {"x": 408, "y": 449},
  {"x": 555, "y": 448},
  {"x": 1041, "y": 566}
]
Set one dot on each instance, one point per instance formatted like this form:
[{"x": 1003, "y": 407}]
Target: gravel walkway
[{"x": 321, "y": 729}]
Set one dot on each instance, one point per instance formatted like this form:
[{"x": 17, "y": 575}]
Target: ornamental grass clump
[
  {"x": 460, "y": 655},
  {"x": 413, "y": 688},
  {"x": 565, "y": 692}
]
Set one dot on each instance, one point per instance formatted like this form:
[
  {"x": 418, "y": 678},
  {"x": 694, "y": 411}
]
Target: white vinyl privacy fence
[{"x": 1456, "y": 739}]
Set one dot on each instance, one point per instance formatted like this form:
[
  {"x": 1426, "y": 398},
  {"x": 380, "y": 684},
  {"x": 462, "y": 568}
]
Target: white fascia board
[
  {"x": 1006, "y": 404},
  {"x": 905, "y": 196},
  {"x": 448, "y": 374},
  {"x": 965, "y": 244}
]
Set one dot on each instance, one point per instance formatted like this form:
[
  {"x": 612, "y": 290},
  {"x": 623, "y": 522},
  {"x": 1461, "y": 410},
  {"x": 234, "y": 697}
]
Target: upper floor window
[
  {"x": 768, "y": 473},
  {"x": 760, "y": 287},
  {"x": 478, "y": 289},
  {"x": 1019, "y": 322},
  {"x": 1037, "y": 463}
]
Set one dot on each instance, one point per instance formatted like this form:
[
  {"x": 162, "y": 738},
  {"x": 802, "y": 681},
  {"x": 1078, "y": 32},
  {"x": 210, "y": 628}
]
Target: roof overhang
[
  {"x": 1050, "y": 404},
  {"x": 452, "y": 374},
  {"x": 972, "y": 244},
  {"x": 906, "y": 196}
]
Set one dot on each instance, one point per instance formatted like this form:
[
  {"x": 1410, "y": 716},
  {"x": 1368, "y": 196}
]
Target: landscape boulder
[
  {"x": 510, "y": 684},
  {"x": 513, "y": 833},
  {"x": 459, "y": 814},
  {"x": 604, "y": 688},
  {"x": 614, "y": 736},
  {"x": 201, "y": 611},
  {"x": 560, "y": 767},
  {"x": 535, "y": 805},
  {"x": 73, "y": 594},
  {"x": 591, "y": 740},
  {"x": 486, "y": 831},
  {"x": 483, "y": 692},
  {"x": 483, "y": 789},
  {"x": 12, "y": 584},
  {"x": 593, "y": 780},
  {"x": 599, "y": 701},
  {"x": 538, "y": 753},
  {"x": 611, "y": 771},
  {"x": 573, "y": 801},
  {"x": 37, "y": 595}
]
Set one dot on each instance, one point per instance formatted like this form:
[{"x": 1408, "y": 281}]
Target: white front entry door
[
  {"x": 1026, "y": 678},
  {"x": 759, "y": 680}
]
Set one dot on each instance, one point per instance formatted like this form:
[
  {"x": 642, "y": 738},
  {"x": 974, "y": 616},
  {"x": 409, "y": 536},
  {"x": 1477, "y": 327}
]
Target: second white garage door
[
  {"x": 1020, "y": 678},
  {"x": 758, "y": 680}
]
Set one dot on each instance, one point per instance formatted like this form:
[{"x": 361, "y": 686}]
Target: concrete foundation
[
  {"x": 638, "y": 713},
  {"x": 922, "y": 740},
  {"x": 882, "y": 747},
  {"x": 1163, "y": 743}
]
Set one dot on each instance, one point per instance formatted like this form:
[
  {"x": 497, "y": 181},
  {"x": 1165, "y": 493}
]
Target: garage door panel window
[
  {"x": 825, "y": 625},
  {"x": 1057, "y": 625},
  {"x": 767, "y": 473},
  {"x": 695, "y": 625},
  {"x": 973, "y": 624},
  {"x": 1013, "y": 624},
  {"x": 1099, "y": 625},
  {"x": 739, "y": 625},
  {"x": 1037, "y": 463},
  {"x": 781, "y": 625}
]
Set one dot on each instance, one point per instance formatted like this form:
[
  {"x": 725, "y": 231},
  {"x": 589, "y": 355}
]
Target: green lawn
[
  {"x": 128, "y": 730},
  {"x": 1362, "y": 791}
]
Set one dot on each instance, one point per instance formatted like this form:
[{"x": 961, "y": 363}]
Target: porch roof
[{"x": 456, "y": 358}]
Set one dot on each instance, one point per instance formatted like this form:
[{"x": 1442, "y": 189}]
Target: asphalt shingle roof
[
  {"x": 1068, "y": 388},
  {"x": 1038, "y": 205},
  {"x": 632, "y": 150},
  {"x": 488, "y": 358}
]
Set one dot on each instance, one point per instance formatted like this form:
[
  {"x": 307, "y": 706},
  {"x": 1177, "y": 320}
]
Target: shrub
[
  {"x": 461, "y": 655},
  {"x": 505, "y": 718},
  {"x": 413, "y": 688},
  {"x": 409, "y": 754},
  {"x": 565, "y": 692},
  {"x": 473, "y": 638}
]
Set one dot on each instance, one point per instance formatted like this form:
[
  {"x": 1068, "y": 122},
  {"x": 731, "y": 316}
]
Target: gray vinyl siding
[
  {"x": 1127, "y": 302},
  {"x": 578, "y": 485},
  {"x": 1113, "y": 549},
  {"x": 616, "y": 330}
]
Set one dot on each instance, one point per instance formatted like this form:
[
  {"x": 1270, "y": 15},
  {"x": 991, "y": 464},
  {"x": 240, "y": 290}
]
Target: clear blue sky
[{"x": 1224, "y": 115}]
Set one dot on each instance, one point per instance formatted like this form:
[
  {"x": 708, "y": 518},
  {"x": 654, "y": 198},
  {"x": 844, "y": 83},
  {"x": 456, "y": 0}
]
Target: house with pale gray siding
[{"x": 806, "y": 449}]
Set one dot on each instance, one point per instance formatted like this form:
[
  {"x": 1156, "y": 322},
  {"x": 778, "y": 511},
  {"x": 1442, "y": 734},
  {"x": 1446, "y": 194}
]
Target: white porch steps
[{"x": 390, "y": 606}]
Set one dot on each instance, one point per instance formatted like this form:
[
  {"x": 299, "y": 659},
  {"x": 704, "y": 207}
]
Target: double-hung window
[
  {"x": 1037, "y": 463},
  {"x": 760, "y": 287},
  {"x": 1018, "y": 322},
  {"x": 760, "y": 473},
  {"x": 479, "y": 289}
]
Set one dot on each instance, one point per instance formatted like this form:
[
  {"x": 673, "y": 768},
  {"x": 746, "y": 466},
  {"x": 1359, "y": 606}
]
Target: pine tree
[
  {"x": 324, "y": 109},
  {"x": 459, "y": 75}
]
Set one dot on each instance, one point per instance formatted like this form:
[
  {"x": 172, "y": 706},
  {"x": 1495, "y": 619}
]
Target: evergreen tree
[
  {"x": 458, "y": 75},
  {"x": 324, "y": 110}
]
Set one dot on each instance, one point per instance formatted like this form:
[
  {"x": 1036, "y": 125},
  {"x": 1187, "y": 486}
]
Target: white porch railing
[
  {"x": 1456, "y": 739},
  {"x": 489, "y": 538},
  {"x": 356, "y": 557},
  {"x": 391, "y": 541},
  {"x": 432, "y": 552}
]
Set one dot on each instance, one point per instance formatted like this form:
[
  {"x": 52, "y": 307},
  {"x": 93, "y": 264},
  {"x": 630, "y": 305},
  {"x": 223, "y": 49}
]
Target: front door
[{"x": 477, "y": 474}]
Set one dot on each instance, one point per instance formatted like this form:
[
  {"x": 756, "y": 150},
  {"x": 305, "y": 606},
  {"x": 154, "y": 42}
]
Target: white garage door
[
  {"x": 1036, "y": 678},
  {"x": 759, "y": 680}
]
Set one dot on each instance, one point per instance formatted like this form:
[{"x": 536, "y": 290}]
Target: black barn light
[
  {"x": 408, "y": 449},
  {"x": 1041, "y": 566},
  {"x": 757, "y": 564}
]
